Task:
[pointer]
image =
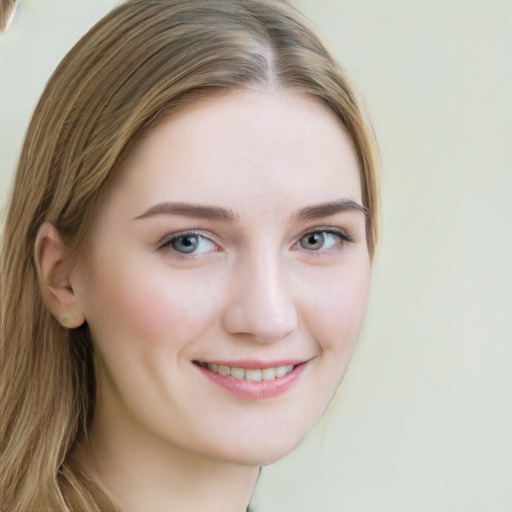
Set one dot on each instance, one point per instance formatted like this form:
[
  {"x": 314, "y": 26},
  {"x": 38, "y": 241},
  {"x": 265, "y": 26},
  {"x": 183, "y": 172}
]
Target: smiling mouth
[{"x": 249, "y": 374}]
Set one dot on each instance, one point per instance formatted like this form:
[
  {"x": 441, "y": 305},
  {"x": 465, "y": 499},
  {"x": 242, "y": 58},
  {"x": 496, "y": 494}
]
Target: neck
[{"x": 144, "y": 472}]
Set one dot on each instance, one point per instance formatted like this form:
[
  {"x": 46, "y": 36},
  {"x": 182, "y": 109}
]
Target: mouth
[{"x": 253, "y": 380}]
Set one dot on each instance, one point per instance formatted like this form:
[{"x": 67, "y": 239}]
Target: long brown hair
[{"x": 140, "y": 63}]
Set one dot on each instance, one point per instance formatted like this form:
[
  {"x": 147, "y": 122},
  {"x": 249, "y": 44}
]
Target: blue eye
[
  {"x": 322, "y": 240},
  {"x": 190, "y": 244}
]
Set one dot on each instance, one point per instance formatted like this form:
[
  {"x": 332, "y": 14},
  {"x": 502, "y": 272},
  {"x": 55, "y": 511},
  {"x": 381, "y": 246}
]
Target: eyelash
[
  {"x": 341, "y": 233},
  {"x": 166, "y": 242}
]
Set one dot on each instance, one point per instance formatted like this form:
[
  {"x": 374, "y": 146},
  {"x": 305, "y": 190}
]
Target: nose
[{"x": 260, "y": 301}]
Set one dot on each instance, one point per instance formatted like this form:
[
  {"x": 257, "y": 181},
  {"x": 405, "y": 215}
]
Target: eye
[
  {"x": 189, "y": 244},
  {"x": 323, "y": 240}
]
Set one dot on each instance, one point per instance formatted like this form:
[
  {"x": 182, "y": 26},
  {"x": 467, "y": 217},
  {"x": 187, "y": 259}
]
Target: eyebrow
[
  {"x": 191, "y": 210},
  {"x": 329, "y": 208},
  {"x": 227, "y": 215}
]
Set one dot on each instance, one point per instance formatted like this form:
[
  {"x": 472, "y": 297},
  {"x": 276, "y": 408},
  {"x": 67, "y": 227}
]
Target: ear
[{"x": 54, "y": 271}]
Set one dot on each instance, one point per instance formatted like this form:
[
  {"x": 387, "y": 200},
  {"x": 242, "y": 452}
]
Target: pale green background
[{"x": 423, "y": 421}]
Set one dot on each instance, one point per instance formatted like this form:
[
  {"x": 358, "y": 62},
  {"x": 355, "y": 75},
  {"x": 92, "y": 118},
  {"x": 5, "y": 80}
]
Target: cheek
[
  {"x": 336, "y": 310},
  {"x": 148, "y": 305}
]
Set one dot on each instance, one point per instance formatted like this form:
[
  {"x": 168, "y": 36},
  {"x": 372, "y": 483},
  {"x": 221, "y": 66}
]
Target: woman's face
[{"x": 229, "y": 277}]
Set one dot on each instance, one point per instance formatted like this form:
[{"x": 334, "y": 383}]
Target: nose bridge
[{"x": 261, "y": 301}]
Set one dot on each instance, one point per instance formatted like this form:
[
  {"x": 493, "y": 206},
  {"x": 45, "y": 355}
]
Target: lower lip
[{"x": 250, "y": 390}]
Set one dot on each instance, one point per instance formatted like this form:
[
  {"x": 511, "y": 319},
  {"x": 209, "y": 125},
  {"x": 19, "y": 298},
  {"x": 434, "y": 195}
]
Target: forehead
[{"x": 243, "y": 148}]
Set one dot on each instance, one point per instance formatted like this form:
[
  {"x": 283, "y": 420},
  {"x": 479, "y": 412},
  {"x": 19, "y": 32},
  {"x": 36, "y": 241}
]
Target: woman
[{"x": 186, "y": 258}]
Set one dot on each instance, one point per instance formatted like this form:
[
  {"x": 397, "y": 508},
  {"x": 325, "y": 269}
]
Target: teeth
[
  {"x": 254, "y": 375},
  {"x": 237, "y": 373},
  {"x": 222, "y": 370},
  {"x": 281, "y": 371},
  {"x": 268, "y": 374}
]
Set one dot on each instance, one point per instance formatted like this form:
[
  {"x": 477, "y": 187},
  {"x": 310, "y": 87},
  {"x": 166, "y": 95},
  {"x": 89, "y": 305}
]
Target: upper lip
[{"x": 253, "y": 363}]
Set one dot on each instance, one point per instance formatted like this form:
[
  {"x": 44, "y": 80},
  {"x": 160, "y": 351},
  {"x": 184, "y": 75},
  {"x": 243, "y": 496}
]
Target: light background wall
[{"x": 423, "y": 420}]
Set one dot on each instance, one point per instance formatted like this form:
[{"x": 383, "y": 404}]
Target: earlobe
[{"x": 54, "y": 273}]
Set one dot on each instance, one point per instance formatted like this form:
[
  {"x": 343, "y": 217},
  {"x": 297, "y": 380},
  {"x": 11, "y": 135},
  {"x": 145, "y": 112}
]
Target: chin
[
  {"x": 260, "y": 454},
  {"x": 263, "y": 445}
]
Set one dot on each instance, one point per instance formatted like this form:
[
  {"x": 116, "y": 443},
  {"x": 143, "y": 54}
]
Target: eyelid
[
  {"x": 164, "y": 242},
  {"x": 332, "y": 230},
  {"x": 335, "y": 230}
]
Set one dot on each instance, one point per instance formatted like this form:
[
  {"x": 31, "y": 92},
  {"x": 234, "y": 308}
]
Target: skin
[{"x": 255, "y": 288}]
